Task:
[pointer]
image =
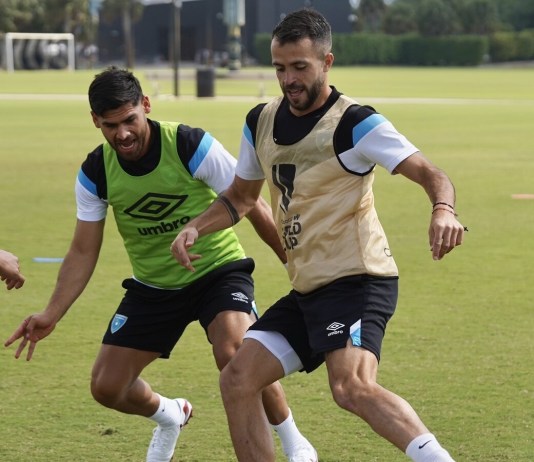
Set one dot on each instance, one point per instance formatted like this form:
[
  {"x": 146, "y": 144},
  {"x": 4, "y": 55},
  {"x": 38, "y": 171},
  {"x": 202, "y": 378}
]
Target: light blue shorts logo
[
  {"x": 356, "y": 333},
  {"x": 118, "y": 321},
  {"x": 255, "y": 309}
]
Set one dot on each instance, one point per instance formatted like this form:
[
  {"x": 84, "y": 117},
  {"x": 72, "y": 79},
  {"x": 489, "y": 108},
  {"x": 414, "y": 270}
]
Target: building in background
[{"x": 204, "y": 35}]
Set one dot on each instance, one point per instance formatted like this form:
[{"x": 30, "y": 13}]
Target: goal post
[{"x": 39, "y": 48}]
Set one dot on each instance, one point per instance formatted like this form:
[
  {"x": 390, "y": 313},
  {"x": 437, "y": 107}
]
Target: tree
[
  {"x": 400, "y": 18},
  {"x": 519, "y": 14},
  {"x": 436, "y": 18},
  {"x": 370, "y": 14},
  {"x": 47, "y": 16},
  {"x": 472, "y": 16},
  {"x": 70, "y": 16},
  {"x": 21, "y": 15},
  {"x": 480, "y": 17},
  {"x": 128, "y": 11}
]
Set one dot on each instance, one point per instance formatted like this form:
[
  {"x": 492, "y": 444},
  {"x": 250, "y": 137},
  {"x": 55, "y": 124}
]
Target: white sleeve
[
  {"x": 248, "y": 165},
  {"x": 217, "y": 168},
  {"x": 376, "y": 141},
  {"x": 385, "y": 146},
  {"x": 89, "y": 206}
]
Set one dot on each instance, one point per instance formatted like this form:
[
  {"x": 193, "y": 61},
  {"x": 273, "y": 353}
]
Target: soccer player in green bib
[{"x": 156, "y": 176}]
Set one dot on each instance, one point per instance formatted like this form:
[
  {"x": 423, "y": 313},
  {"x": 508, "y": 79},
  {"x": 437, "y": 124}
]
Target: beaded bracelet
[
  {"x": 443, "y": 203},
  {"x": 446, "y": 210}
]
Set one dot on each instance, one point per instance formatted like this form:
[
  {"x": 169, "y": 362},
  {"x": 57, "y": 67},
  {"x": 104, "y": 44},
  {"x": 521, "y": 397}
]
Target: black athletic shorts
[
  {"x": 151, "y": 319},
  {"x": 356, "y": 307}
]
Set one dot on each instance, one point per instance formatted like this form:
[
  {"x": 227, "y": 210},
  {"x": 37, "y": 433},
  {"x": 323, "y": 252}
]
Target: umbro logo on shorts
[
  {"x": 335, "y": 328},
  {"x": 240, "y": 297}
]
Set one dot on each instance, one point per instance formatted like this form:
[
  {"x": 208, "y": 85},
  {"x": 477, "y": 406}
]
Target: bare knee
[
  {"x": 105, "y": 392},
  {"x": 250, "y": 371},
  {"x": 224, "y": 352},
  {"x": 226, "y": 333},
  {"x": 354, "y": 395},
  {"x": 241, "y": 381},
  {"x": 232, "y": 382}
]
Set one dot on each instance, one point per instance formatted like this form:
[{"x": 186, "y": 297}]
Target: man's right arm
[
  {"x": 74, "y": 274},
  {"x": 77, "y": 267}
]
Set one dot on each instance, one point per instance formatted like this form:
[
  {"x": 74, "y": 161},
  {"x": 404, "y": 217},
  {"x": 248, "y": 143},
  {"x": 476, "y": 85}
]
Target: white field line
[{"x": 431, "y": 101}]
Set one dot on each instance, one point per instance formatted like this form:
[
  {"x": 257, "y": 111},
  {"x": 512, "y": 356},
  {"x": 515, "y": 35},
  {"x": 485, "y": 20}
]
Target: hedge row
[
  {"x": 512, "y": 46},
  {"x": 412, "y": 49},
  {"x": 455, "y": 50}
]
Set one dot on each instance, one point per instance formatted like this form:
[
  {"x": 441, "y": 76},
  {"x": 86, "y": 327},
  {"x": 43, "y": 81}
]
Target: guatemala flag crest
[{"x": 118, "y": 321}]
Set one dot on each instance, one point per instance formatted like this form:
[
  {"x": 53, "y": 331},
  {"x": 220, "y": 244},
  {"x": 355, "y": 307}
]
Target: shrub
[
  {"x": 525, "y": 44},
  {"x": 262, "y": 45},
  {"x": 408, "y": 49},
  {"x": 466, "y": 50},
  {"x": 503, "y": 46},
  {"x": 364, "y": 48}
]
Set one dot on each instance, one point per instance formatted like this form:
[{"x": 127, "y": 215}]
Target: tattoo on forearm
[{"x": 234, "y": 216}]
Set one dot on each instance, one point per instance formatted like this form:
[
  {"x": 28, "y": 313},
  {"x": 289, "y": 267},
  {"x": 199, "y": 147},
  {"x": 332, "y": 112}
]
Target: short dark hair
[
  {"x": 304, "y": 23},
  {"x": 112, "y": 89}
]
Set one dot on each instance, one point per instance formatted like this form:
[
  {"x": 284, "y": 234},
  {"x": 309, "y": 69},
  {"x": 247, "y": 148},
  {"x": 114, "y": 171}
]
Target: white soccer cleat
[
  {"x": 303, "y": 452},
  {"x": 164, "y": 439}
]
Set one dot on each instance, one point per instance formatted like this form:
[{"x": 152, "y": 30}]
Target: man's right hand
[{"x": 179, "y": 248}]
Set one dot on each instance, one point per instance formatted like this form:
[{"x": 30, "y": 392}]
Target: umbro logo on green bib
[{"x": 155, "y": 206}]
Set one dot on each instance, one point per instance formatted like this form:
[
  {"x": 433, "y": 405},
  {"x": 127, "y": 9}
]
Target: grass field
[{"x": 460, "y": 347}]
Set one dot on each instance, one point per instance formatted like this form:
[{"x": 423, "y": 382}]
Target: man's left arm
[{"x": 445, "y": 231}]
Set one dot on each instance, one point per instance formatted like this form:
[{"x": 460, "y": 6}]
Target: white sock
[
  {"x": 168, "y": 412},
  {"x": 289, "y": 434},
  {"x": 425, "y": 448}
]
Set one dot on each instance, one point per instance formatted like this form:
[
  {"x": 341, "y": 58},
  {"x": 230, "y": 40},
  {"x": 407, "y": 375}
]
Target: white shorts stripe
[{"x": 277, "y": 344}]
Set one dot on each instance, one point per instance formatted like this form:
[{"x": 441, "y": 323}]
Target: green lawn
[{"x": 460, "y": 347}]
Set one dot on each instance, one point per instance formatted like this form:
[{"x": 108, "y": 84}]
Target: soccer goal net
[{"x": 34, "y": 50}]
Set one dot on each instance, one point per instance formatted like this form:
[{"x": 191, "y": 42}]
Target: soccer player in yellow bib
[{"x": 318, "y": 149}]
